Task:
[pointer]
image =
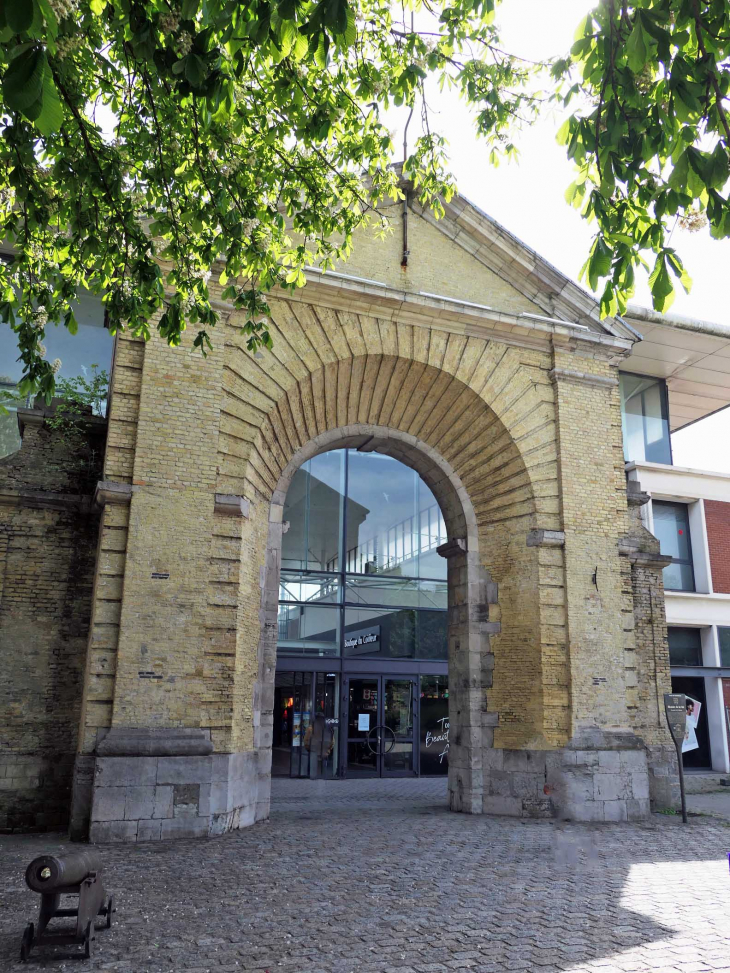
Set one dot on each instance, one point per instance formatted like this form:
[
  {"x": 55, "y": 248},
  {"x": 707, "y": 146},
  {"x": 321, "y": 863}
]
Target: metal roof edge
[{"x": 696, "y": 325}]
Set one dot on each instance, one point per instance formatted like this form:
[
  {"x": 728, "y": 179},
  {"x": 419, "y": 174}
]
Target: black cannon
[{"x": 78, "y": 873}]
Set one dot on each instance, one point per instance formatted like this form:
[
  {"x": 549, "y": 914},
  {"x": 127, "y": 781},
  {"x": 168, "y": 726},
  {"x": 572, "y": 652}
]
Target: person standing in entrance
[{"x": 318, "y": 741}]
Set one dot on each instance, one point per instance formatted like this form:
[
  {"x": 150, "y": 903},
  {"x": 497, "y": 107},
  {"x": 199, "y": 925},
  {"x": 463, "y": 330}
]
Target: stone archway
[
  {"x": 470, "y": 589},
  {"x": 523, "y": 451}
]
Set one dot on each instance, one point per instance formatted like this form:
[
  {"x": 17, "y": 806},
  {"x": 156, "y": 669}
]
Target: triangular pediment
[{"x": 467, "y": 256}]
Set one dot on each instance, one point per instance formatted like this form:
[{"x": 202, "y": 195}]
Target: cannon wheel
[
  {"x": 109, "y": 911},
  {"x": 89, "y": 940},
  {"x": 27, "y": 942}
]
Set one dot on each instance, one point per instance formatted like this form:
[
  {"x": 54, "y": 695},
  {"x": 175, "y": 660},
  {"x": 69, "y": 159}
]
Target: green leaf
[
  {"x": 637, "y": 50},
  {"x": 301, "y": 45},
  {"x": 320, "y": 54},
  {"x": 19, "y": 15},
  {"x": 23, "y": 81},
  {"x": 662, "y": 289},
  {"x": 679, "y": 271},
  {"x": 97, "y": 7},
  {"x": 600, "y": 262},
  {"x": 51, "y": 117},
  {"x": 336, "y": 15},
  {"x": 195, "y": 70},
  {"x": 717, "y": 168},
  {"x": 350, "y": 35},
  {"x": 563, "y": 136},
  {"x": 678, "y": 175}
]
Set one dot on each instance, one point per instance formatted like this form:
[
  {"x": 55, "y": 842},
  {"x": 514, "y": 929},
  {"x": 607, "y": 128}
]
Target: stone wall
[{"x": 48, "y": 536}]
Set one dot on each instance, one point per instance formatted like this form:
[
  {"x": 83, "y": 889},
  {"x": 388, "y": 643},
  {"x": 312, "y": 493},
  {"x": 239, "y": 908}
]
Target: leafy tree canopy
[{"x": 144, "y": 139}]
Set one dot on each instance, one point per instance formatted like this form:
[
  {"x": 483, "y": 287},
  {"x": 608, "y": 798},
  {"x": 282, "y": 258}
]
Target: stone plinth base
[
  {"x": 605, "y": 781},
  {"x": 159, "y": 794},
  {"x": 663, "y": 777}
]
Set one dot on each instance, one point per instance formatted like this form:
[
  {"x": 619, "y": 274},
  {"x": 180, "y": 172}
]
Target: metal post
[{"x": 680, "y": 766}]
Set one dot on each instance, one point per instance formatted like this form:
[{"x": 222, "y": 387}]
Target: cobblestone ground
[{"x": 368, "y": 878}]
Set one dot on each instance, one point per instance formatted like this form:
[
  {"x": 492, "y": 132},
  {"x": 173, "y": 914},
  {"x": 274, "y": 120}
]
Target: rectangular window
[
  {"x": 79, "y": 355},
  {"x": 314, "y": 511},
  {"x": 685, "y": 646},
  {"x": 395, "y": 592},
  {"x": 671, "y": 528},
  {"x": 723, "y": 635},
  {"x": 645, "y": 419},
  {"x": 308, "y": 630}
]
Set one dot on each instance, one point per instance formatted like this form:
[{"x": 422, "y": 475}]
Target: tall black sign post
[{"x": 675, "y": 706}]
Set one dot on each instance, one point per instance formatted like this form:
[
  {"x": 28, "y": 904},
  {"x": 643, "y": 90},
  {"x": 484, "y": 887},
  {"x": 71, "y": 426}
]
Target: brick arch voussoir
[{"x": 404, "y": 396}]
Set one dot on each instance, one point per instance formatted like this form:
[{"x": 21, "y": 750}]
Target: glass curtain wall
[
  {"x": 645, "y": 419},
  {"x": 360, "y": 575}
]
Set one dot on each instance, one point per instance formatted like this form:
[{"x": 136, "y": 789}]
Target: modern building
[
  {"x": 689, "y": 512},
  {"x": 400, "y": 542}
]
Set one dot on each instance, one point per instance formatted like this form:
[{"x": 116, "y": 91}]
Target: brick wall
[
  {"x": 48, "y": 532},
  {"x": 717, "y": 516}
]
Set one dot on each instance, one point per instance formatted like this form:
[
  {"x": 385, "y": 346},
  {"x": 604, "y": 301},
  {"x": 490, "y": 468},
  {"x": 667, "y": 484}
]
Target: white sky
[{"x": 528, "y": 199}]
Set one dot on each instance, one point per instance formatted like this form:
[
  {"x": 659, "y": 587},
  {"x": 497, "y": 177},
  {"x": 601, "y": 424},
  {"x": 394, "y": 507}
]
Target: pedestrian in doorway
[{"x": 319, "y": 741}]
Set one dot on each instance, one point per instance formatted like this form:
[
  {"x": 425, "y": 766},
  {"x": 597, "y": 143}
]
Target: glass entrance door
[{"x": 379, "y": 713}]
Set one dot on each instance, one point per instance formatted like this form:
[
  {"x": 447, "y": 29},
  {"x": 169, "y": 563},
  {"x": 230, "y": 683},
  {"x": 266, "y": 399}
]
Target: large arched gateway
[{"x": 406, "y": 489}]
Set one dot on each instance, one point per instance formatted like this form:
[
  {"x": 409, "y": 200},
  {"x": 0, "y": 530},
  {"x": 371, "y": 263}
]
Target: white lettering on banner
[
  {"x": 362, "y": 640},
  {"x": 441, "y": 736}
]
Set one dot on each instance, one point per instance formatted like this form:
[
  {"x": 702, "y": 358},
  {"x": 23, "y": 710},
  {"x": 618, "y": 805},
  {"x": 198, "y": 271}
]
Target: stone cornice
[
  {"x": 107, "y": 491},
  {"x": 508, "y": 257},
  {"x": 232, "y": 505},
  {"x": 43, "y": 499},
  {"x": 638, "y": 552},
  {"x": 341, "y": 292},
  {"x": 582, "y": 378},
  {"x": 37, "y": 417},
  {"x": 452, "y": 548},
  {"x": 546, "y": 538}
]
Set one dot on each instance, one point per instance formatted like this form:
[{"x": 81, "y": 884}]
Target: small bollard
[{"x": 78, "y": 873}]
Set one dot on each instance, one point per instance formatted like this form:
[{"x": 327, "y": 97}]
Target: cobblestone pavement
[
  {"x": 379, "y": 884},
  {"x": 716, "y": 803}
]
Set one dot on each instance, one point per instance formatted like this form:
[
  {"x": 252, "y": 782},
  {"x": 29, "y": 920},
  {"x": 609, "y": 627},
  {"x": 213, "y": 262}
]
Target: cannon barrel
[{"x": 50, "y": 872}]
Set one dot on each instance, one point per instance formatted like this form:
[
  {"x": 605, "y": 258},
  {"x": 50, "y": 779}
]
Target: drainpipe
[{"x": 406, "y": 251}]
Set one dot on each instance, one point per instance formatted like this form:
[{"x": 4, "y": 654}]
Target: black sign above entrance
[
  {"x": 675, "y": 707},
  {"x": 360, "y": 640}
]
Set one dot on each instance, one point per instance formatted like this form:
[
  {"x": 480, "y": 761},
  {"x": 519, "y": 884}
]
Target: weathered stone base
[
  {"x": 663, "y": 777},
  {"x": 34, "y": 791},
  {"x": 149, "y": 784},
  {"x": 154, "y": 798},
  {"x": 596, "y": 783}
]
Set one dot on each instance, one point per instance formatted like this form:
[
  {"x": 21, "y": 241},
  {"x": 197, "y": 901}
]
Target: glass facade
[
  {"x": 360, "y": 574},
  {"x": 671, "y": 528},
  {"x": 685, "y": 646},
  {"x": 645, "y": 419},
  {"x": 92, "y": 345},
  {"x": 361, "y": 683},
  {"x": 306, "y": 725}
]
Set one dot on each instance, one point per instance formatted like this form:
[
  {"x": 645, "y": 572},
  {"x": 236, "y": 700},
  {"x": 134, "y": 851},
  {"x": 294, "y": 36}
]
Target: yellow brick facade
[{"x": 514, "y": 421}]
